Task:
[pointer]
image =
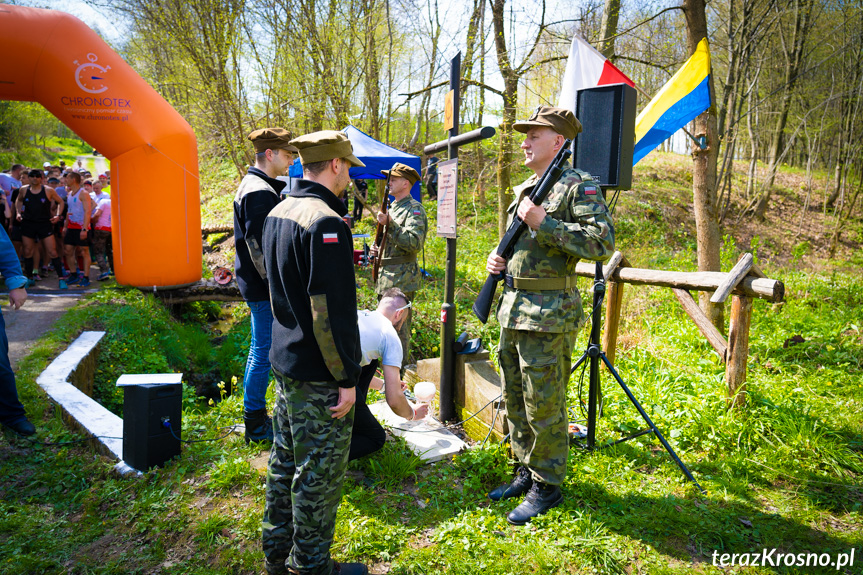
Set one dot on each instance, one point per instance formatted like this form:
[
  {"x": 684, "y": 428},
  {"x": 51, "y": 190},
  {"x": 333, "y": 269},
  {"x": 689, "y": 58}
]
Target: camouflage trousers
[
  {"x": 305, "y": 475},
  {"x": 102, "y": 250},
  {"x": 405, "y": 331},
  {"x": 535, "y": 371}
]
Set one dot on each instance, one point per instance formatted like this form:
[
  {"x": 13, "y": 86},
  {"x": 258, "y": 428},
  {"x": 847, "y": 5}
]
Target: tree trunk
[
  {"x": 504, "y": 157},
  {"x": 422, "y": 113},
  {"x": 372, "y": 75},
  {"x": 793, "y": 62},
  {"x": 608, "y": 28},
  {"x": 704, "y": 173},
  {"x": 510, "y": 101}
]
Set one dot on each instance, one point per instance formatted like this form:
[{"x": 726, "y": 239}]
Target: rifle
[
  {"x": 482, "y": 305},
  {"x": 381, "y": 233}
]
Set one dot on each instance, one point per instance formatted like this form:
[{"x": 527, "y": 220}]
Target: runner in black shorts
[{"x": 37, "y": 222}]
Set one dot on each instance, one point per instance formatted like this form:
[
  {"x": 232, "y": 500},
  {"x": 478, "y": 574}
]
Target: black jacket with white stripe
[{"x": 308, "y": 252}]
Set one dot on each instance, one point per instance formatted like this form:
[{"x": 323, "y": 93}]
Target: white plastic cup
[{"x": 425, "y": 391}]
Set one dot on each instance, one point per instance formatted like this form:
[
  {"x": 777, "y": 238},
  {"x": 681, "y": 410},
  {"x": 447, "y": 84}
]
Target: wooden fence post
[
  {"x": 614, "y": 296},
  {"x": 738, "y": 350}
]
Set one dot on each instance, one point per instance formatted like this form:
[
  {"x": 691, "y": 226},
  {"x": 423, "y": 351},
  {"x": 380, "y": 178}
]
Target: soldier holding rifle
[
  {"x": 406, "y": 225},
  {"x": 540, "y": 310}
]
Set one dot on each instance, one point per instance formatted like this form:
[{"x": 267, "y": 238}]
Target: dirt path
[
  {"x": 26, "y": 325},
  {"x": 46, "y": 303},
  {"x": 96, "y": 164}
]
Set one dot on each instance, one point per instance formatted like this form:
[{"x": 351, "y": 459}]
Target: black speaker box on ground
[
  {"x": 604, "y": 147},
  {"x": 148, "y": 402}
]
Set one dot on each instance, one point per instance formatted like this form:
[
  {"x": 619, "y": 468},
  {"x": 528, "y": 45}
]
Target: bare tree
[
  {"x": 792, "y": 49},
  {"x": 511, "y": 74},
  {"x": 608, "y": 30},
  {"x": 704, "y": 171}
]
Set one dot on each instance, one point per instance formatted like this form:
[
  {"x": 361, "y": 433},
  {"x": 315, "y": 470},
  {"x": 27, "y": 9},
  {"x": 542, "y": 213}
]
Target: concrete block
[
  {"x": 410, "y": 376},
  {"x": 429, "y": 370},
  {"x": 78, "y": 408},
  {"x": 476, "y": 384},
  {"x": 424, "y": 437},
  {"x": 482, "y": 396},
  {"x": 85, "y": 372}
]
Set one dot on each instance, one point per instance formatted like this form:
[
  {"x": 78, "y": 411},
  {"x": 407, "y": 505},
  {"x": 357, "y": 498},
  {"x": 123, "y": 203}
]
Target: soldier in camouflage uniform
[
  {"x": 406, "y": 235},
  {"x": 540, "y": 310},
  {"x": 315, "y": 355}
]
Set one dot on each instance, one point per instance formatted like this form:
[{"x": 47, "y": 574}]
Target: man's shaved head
[{"x": 392, "y": 299}]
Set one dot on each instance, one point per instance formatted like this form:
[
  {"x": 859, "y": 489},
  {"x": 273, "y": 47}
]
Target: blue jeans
[
  {"x": 257, "y": 375},
  {"x": 11, "y": 409}
]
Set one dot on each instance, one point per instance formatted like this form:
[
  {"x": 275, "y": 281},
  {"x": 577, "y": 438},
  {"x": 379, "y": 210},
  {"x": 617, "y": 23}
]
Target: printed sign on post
[{"x": 446, "y": 198}]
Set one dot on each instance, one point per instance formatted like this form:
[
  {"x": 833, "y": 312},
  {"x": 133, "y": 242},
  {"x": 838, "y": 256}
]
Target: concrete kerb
[{"x": 63, "y": 381}]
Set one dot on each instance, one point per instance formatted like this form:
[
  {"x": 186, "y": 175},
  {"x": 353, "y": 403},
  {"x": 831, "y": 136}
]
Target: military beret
[
  {"x": 326, "y": 145},
  {"x": 271, "y": 139},
  {"x": 400, "y": 170},
  {"x": 560, "y": 120}
]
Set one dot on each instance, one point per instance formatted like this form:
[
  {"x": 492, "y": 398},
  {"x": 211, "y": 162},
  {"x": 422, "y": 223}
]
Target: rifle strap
[
  {"x": 541, "y": 284},
  {"x": 408, "y": 259}
]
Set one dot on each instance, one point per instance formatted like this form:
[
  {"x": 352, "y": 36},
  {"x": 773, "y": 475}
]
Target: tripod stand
[{"x": 595, "y": 353}]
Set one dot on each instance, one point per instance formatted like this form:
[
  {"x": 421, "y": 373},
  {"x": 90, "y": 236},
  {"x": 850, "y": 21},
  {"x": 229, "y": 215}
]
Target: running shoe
[
  {"x": 63, "y": 284},
  {"x": 83, "y": 282},
  {"x": 67, "y": 275},
  {"x": 37, "y": 278},
  {"x": 103, "y": 276}
]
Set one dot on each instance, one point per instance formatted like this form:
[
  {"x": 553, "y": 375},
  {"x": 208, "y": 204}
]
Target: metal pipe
[{"x": 460, "y": 140}]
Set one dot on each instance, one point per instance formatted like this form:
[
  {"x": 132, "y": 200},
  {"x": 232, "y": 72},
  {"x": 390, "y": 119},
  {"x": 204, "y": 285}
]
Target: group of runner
[{"x": 59, "y": 220}]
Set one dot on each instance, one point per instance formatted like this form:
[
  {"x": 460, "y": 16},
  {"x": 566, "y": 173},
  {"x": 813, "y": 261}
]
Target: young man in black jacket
[
  {"x": 257, "y": 195},
  {"x": 308, "y": 253}
]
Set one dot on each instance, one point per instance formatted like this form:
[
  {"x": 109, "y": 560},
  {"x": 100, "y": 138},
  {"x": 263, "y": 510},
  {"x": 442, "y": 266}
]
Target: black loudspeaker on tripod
[
  {"x": 604, "y": 147},
  {"x": 595, "y": 354}
]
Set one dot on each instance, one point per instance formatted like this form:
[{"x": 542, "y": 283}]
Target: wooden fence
[{"x": 743, "y": 283}]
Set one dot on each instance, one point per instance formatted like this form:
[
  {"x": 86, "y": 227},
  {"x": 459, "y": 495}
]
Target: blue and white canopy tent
[{"x": 376, "y": 156}]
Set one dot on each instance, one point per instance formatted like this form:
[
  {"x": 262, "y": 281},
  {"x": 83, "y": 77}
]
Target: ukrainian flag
[{"x": 680, "y": 101}]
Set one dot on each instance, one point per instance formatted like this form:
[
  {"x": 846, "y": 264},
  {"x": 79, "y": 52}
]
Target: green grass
[{"x": 783, "y": 472}]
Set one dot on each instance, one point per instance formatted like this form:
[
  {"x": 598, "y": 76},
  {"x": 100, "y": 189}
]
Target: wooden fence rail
[{"x": 743, "y": 283}]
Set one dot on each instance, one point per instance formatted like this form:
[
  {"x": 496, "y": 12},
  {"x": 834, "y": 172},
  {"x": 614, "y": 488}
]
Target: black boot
[
  {"x": 539, "y": 499},
  {"x": 21, "y": 426},
  {"x": 276, "y": 567},
  {"x": 259, "y": 425},
  {"x": 519, "y": 485},
  {"x": 350, "y": 569}
]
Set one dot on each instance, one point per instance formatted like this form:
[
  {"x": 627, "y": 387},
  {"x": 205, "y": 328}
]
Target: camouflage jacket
[
  {"x": 577, "y": 226},
  {"x": 405, "y": 238}
]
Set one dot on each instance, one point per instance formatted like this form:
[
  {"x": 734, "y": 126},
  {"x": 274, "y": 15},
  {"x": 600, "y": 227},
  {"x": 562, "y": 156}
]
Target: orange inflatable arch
[{"x": 53, "y": 58}]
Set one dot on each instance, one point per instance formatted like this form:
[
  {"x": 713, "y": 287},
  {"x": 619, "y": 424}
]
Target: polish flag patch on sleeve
[
  {"x": 417, "y": 213},
  {"x": 590, "y": 190},
  {"x": 331, "y": 238}
]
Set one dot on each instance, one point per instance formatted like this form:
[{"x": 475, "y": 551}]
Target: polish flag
[
  {"x": 587, "y": 68},
  {"x": 331, "y": 238}
]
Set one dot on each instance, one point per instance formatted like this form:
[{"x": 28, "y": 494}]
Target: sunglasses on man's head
[{"x": 404, "y": 307}]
